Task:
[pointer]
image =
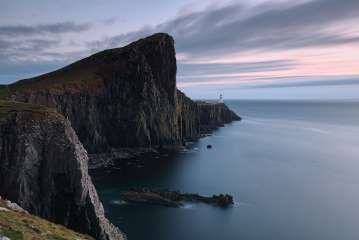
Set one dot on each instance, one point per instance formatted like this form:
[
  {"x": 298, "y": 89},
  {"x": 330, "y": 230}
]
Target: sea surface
[{"x": 292, "y": 167}]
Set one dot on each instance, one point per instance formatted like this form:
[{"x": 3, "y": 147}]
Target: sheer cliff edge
[
  {"x": 124, "y": 97},
  {"x": 118, "y": 98}
]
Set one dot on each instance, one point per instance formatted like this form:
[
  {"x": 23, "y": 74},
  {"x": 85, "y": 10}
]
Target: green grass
[
  {"x": 13, "y": 235},
  {"x": 22, "y": 226},
  {"x": 7, "y": 107},
  {"x": 4, "y": 91}
]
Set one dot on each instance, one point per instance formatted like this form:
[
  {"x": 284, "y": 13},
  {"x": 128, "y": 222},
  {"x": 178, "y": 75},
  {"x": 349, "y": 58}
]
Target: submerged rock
[{"x": 174, "y": 198}]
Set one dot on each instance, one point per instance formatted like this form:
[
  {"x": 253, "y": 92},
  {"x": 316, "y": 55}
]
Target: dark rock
[
  {"x": 115, "y": 99},
  {"x": 173, "y": 198},
  {"x": 124, "y": 97},
  {"x": 214, "y": 115},
  {"x": 149, "y": 198},
  {"x": 43, "y": 168}
]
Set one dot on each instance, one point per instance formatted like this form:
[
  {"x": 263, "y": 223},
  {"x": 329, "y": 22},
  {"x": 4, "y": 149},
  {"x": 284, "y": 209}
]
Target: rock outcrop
[
  {"x": 213, "y": 115},
  {"x": 43, "y": 168},
  {"x": 187, "y": 117},
  {"x": 174, "y": 198},
  {"x": 118, "y": 98},
  {"x": 124, "y": 97}
]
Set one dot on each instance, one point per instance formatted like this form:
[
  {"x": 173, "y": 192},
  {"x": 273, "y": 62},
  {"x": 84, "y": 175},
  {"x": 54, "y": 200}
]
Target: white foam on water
[
  {"x": 187, "y": 206},
  {"x": 118, "y": 202}
]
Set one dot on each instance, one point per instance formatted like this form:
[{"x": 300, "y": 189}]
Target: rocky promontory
[
  {"x": 43, "y": 168},
  {"x": 124, "y": 98},
  {"x": 214, "y": 114}
]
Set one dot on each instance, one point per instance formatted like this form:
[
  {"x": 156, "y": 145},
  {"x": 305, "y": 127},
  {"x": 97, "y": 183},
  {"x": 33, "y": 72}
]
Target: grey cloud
[
  {"x": 33, "y": 42},
  {"x": 110, "y": 21},
  {"x": 188, "y": 69},
  {"x": 263, "y": 27},
  {"x": 310, "y": 83},
  {"x": 56, "y": 28},
  {"x": 20, "y": 48},
  {"x": 25, "y": 58},
  {"x": 211, "y": 32},
  {"x": 12, "y": 71}
]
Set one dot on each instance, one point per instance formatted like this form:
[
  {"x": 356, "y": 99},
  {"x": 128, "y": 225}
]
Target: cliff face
[
  {"x": 213, "y": 115},
  {"x": 187, "y": 117},
  {"x": 122, "y": 98},
  {"x": 43, "y": 168}
]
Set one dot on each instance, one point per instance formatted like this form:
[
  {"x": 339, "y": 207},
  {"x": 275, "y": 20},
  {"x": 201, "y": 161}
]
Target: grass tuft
[{"x": 22, "y": 226}]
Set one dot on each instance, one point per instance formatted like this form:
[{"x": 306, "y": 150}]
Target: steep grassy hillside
[{"x": 23, "y": 226}]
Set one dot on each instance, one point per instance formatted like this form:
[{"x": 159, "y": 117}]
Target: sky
[{"x": 247, "y": 49}]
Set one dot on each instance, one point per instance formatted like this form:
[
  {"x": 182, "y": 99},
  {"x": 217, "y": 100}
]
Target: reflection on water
[{"x": 292, "y": 168}]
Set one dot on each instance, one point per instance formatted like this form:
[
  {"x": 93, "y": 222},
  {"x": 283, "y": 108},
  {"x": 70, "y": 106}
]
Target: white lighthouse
[{"x": 220, "y": 100}]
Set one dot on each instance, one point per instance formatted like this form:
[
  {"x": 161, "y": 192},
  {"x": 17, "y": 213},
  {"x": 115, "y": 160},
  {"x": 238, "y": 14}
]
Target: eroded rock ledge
[
  {"x": 173, "y": 198},
  {"x": 43, "y": 168}
]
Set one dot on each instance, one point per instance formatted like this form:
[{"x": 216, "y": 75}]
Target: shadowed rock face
[
  {"x": 43, "y": 168},
  {"x": 124, "y": 97},
  {"x": 213, "y": 115},
  {"x": 187, "y": 117}
]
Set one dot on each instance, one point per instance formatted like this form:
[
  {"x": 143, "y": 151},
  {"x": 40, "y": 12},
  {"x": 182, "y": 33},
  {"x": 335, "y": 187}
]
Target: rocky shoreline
[
  {"x": 174, "y": 198},
  {"x": 115, "y": 104}
]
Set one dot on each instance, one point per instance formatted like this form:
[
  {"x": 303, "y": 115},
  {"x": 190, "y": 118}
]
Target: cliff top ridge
[{"x": 91, "y": 73}]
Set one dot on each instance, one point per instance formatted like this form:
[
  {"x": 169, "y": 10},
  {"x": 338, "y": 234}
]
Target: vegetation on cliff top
[
  {"x": 4, "y": 91},
  {"x": 22, "y": 226},
  {"x": 7, "y": 107},
  {"x": 87, "y": 74}
]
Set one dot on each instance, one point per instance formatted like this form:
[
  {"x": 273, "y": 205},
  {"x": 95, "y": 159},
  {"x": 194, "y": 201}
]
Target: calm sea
[{"x": 292, "y": 167}]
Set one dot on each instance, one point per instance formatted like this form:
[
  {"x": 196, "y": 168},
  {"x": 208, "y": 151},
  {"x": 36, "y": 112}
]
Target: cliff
[
  {"x": 213, "y": 115},
  {"x": 121, "y": 98},
  {"x": 17, "y": 224},
  {"x": 43, "y": 168},
  {"x": 187, "y": 117}
]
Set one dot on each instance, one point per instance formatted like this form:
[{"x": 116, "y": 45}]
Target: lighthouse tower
[{"x": 220, "y": 100}]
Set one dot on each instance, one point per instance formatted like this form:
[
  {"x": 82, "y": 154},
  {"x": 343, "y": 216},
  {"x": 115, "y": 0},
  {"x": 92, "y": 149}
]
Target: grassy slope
[
  {"x": 83, "y": 75},
  {"x": 7, "y": 107},
  {"x": 80, "y": 75},
  {"x": 22, "y": 226},
  {"x": 4, "y": 91}
]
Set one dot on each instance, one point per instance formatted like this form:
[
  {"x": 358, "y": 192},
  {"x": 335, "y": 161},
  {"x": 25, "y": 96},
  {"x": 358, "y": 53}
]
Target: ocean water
[{"x": 292, "y": 167}]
